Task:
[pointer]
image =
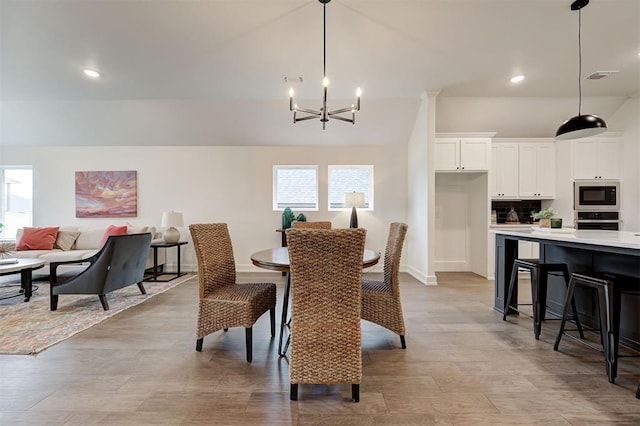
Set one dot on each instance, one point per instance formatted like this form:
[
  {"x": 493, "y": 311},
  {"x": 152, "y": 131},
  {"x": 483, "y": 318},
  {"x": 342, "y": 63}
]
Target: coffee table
[{"x": 24, "y": 267}]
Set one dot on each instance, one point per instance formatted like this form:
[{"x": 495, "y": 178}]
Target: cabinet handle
[{"x": 463, "y": 168}]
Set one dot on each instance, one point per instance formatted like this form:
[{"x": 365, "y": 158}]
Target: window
[
  {"x": 16, "y": 199},
  {"x": 343, "y": 179},
  {"x": 295, "y": 187}
]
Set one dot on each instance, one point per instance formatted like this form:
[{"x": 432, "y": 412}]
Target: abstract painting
[{"x": 107, "y": 194}]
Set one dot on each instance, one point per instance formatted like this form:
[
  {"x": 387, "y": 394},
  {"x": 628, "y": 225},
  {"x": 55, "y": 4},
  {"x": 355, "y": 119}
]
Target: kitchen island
[{"x": 582, "y": 250}]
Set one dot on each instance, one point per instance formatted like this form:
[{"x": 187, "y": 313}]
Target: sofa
[{"x": 79, "y": 243}]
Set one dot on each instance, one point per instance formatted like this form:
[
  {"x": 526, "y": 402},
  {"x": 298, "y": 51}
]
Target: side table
[{"x": 174, "y": 275}]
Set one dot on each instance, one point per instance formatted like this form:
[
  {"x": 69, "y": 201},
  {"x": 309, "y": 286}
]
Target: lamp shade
[
  {"x": 171, "y": 218},
  {"x": 354, "y": 199},
  {"x": 581, "y": 126}
]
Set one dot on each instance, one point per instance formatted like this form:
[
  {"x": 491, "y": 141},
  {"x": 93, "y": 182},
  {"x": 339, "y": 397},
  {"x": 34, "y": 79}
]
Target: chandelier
[{"x": 324, "y": 114}]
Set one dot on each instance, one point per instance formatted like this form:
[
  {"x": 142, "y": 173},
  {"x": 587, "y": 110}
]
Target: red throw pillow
[
  {"x": 113, "y": 230},
  {"x": 38, "y": 238}
]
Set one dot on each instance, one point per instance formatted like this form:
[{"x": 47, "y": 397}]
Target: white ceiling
[{"x": 211, "y": 72}]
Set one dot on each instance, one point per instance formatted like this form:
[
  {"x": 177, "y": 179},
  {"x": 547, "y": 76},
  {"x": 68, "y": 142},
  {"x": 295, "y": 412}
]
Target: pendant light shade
[{"x": 580, "y": 126}]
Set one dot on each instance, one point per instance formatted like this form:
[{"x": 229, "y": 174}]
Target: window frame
[
  {"x": 4, "y": 204},
  {"x": 275, "y": 203},
  {"x": 369, "y": 193}
]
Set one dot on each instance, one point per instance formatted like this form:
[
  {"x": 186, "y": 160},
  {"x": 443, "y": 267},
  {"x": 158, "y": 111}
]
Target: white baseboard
[{"x": 451, "y": 266}]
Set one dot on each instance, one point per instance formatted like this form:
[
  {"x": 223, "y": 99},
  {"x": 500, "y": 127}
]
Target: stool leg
[
  {"x": 605, "y": 329},
  {"x": 613, "y": 297},
  {"x": 512, "y": 283},
  {"x": 565, "y": 312},
  {"x": 565, "y": 273},
  {"x": 539, "y": 298}
]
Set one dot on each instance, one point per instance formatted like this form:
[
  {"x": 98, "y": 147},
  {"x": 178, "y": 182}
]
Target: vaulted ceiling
[{"x": 211, "y": 72}]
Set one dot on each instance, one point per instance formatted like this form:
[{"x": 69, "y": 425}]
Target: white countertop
[
  {"x": 512, "y": 226},
  {"x": 622, "y": 239}
]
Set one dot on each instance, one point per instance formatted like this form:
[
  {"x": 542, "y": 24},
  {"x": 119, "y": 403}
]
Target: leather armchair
[{"x": 119, "y": 263}]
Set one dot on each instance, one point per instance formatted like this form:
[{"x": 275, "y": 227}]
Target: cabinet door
[
  {"x": 546, "y": 170},
  {"x": 528, "y": 171},
  {"x": 447, "y": 154},
  {"x": 474, "y": 154},
  {"x": 494, "y": 172},
  {"x": 608, "y": 159},
  {"x": 509, "y": 178},
  {"x": 585, "y": 158}
]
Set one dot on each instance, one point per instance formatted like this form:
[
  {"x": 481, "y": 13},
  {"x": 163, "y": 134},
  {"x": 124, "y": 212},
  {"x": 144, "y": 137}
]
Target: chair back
[
  {"x": 216, "y": 264},
  {"x": 392, "y": 253},
  {"x": 326, "y": 274},
  {"x": 312, "y": 225},
  {"x": 124, "y": 260}
]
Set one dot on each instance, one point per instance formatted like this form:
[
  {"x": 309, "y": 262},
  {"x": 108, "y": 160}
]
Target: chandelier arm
[
  {"x": 341, "y": 110},
  {"x": 337, "y": 117},
  {"x": 309, "y": 111},
  {"x": 308, "y": 117}
]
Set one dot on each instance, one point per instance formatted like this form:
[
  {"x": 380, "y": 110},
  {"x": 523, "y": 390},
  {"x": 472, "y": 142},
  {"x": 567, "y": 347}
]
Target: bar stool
[
  {"x": 610, "y": 289},
  {"x": 539, "y": 272}
]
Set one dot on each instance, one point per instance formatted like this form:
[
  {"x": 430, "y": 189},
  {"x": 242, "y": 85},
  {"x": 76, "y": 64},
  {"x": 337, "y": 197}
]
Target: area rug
[{"x": 27, "y": 328}]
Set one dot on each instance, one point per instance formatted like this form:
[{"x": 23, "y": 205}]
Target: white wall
[
  {"x": 213, "y": 184},
  {"x": 627, "y": 119},
  {"x": 420, "y": 190}
]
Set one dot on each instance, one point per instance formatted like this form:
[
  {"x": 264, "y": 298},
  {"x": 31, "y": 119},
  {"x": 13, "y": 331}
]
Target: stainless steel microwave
[{"x": 596, "y": 195}]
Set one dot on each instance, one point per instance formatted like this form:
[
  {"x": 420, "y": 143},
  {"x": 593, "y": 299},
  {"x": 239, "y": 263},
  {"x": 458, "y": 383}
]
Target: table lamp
[
  {"x": 354, "y": 199},
  {"x": 170, "y": 220}
]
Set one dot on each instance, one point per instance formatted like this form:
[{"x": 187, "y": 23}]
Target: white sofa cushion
[
  {"x": 63, "y": 256},
  {"x": 89, "y": 238}
]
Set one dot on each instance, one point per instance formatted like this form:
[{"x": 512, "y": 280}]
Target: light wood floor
[{"x": 462, "y": 365}]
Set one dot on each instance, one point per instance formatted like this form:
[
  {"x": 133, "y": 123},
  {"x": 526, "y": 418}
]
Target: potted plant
[{"x": 544, "y": 216}]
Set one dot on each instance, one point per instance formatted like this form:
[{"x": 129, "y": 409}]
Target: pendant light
[{"x": 580, "y": 126}]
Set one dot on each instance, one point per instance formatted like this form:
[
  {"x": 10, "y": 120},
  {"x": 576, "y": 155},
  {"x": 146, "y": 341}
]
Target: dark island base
[{"x": 579, "y": 258}]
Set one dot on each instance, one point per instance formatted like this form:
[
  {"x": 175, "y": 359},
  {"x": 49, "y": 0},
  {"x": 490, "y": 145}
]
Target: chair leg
[
  {"x": 272, "y": 314},
  {"x": 294, "y": 392},
  {"x": 199, "y": 345},
  {"x": 103, "y": 300},
  {"x": 54, "y": 302},
  {"x": 355, "y": 392},
  {"x": 249, "y": 339},
  {"x": 141, "y": 287},
  {"x": 402, "y": 342}
]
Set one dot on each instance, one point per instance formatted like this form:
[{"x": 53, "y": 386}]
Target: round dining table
[{"x": 277, "y": 259}]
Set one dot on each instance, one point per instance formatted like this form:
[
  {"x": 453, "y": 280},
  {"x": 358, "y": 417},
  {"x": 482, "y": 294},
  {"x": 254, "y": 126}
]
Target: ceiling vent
[
  {"x": 600, "y": 74},
  {"x": 288, "y": 79}
]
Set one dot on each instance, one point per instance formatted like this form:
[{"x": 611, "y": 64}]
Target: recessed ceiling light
[
  {"x": 91, "y": 73},
  {"x": 517, "y": 78}
]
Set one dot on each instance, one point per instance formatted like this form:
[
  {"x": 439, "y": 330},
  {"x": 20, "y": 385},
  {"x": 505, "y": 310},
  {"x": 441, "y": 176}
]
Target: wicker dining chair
[
  {"x": 326, "y": 272},
  {"x": 223, "y": 302},
  {"x": 312, "y": 225},
  {"x": 381, "y": 299}
]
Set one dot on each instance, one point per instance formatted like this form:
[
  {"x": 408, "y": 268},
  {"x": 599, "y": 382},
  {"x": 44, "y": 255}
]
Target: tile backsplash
[{"x": 522, "y": 207}]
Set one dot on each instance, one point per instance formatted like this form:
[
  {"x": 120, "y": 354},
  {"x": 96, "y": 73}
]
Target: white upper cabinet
[
  {"x": 503, "y": 175},
  {"x": 596, "y": 159},
  {"x": 462, "y": 154},
  {"x": 537, "y": 170}
]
